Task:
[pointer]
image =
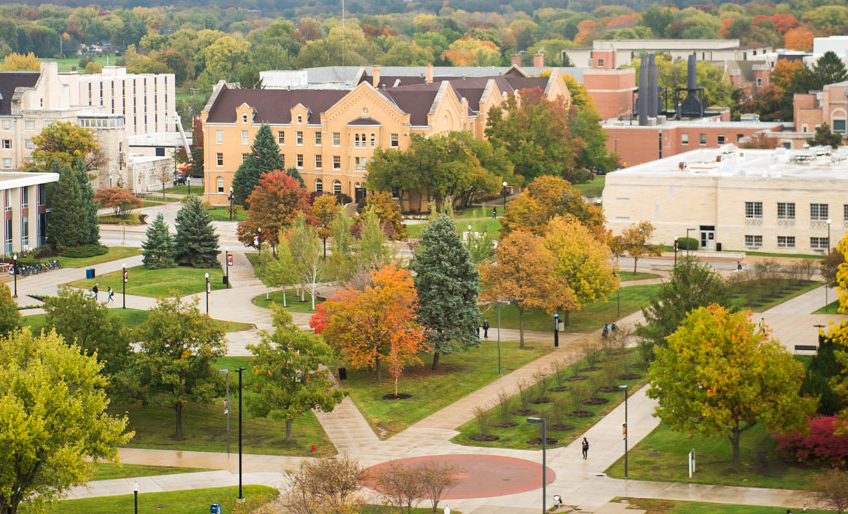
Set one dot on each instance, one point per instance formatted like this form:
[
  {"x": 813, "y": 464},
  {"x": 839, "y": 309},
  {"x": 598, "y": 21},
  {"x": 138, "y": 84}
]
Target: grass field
[
  {"x": 196, "y": 189},
  {"x": 69, "y": 63},
  {"x": 652, "y": 506},
  {"x": 518, "y": 436},
  {"x": 627, "y": 276},
  {"x": 223, "y": 214},
  {"x": 109, "y": 471},
  {"x": 193, "y": 501},
  {"x": 158, "y": 282},
  {"x": 758, "y": 298},
  {"x": 592, "y": 189},
  {"x": 490, "y": 225},
  {"x": 662, "y": 456},
  {"x": 292, "y": 301},
  {"x": 831, "y": 308},
  {"x": 132, "y": 219},
  {"x": 458, "y": 374},
  {"x": 115, "y": 253},
  {"x": 135, "y": 317}
]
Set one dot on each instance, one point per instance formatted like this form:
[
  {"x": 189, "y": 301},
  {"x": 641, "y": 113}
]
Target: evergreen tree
[
  {"x": 447, "y": 283},
  {"x": 87, "y": 198},
  {"x": 817, "y": 383},
  {"x": 264, "y": 156},
  {"x": 158, "y": 249},
  {"x": 828, "y": 69},
  {"x": 293, "y": 173},
  {"x": 825, "y": 137},
  {"x": 67, "y": 223},
  {"x": 196, "y": 243}
]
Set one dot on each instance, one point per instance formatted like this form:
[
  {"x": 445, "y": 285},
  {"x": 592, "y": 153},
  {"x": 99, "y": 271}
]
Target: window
[
  {"x": 703, "y": 138},
  {"x": 281, "y": 138},
  {"x": 25, "y": 230},
  {"x": 356, "y": 141},
  {"x": 298, "y": 138},
  {"x": 684, "y": 139},
  {"x": 220, "y": 158},
  {"x": 337, "y": 187},
  {"x": 845, "y": 212},
  {"x": 373, "y": 139},
  {"x": 753, "y": 241},
  {"x": 786, "y": 211},
  {"x": 220, "y": 184},
  {"x": 394, "y": 140},
  {"x": 7, "y": 144},
  {"x": 318, "y": 161},
  {"x": 7, "y": 125},
  {"x": 739, "y": 137},
  {"x": 337, "y": 139},
  {"x": 356, "y": 164},
  {"x": 337, "y": 162},
  {"x": 818, "y": 243},
  {"x": 759, "y": 82},
  {"x": 753, "y": 210},
  {"x": 818, "y": 212},
  {"x": 244, "y": 156},
  {"x": 803, "y": 128},
  {"x": 317, "y": 138},
  {"x": 8, "y": 199},
  {"x": 41, "y": 194},
  {"x": 219, "y": 137},
  {"x": 720, "y": 139},
  {"x": 30, "y": 124},
  {"x": 300, "y": 160},
  {"x": 244, "y": 137},
  {"x": 395, "y": 192},
  {"x": 299, "y": 119},
  {"x": 7, "y": 163},
  {"x": 283, "y": 160},
  {"x": 243, "y": 117},
  {"x": 839, "y": 126},
  {"x": 24, "y": 197},
  {"x": 786, "y": 241},
  {"x": 319, "y": 185},
  {"x": 8, "y": 235},
  {"x": 600, "y": 63}
]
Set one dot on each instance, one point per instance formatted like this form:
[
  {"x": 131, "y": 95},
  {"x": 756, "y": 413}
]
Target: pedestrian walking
[
  {"x": 738, "y": 266},
  {"x": 606, "y": 330},
  {"x": 495, "y": 212},
  {"x": 613, "y": 327},
  {"x": 111, "y": 296},
  {"x": 486, "y": 329},
  {"x": 95, "y": 290},
  {"x": 585, "y": 448}
]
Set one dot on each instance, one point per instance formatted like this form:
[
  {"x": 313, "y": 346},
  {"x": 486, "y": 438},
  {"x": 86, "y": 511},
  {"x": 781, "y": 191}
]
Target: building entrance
[{"x": 708, "y": 237}]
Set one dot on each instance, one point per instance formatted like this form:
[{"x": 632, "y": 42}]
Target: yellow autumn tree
[
  {"x": 839, "y": 333},
  {"x": 469, "y": 51},
  {"x": 21, "y": 62},
  {"x": 635, "y": 240}
]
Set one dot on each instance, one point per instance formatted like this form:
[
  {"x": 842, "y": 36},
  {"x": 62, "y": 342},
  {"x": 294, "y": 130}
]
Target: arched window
[
  {"x": 319, "y": 186},
  {"x": 220, "y": 184},
  {"x": 337, "y": 187},
  {"x": 372, "y": 140},
  {"x": 356, "y": 141}
]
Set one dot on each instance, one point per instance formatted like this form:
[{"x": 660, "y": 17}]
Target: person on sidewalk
[
  {"x": 111, "y": 296},
  {"x": 495, "y": 212},
  {"x": 605, "y": 333},
  {"x": 486, "y": 329},
  {"x": 95, "y": 290},
  {"x": 585, "y": 448}
]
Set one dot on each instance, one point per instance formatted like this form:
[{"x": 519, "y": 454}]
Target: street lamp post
[
  {"x": 232, "y": 196},
  {"x": 504, "y": 197},
  {"x": 240, "y": 496},
  {"x": 135, "y": 494},
  {"x": 125, "y": 278},
  {"x": 556, "y": 330},
  {"x": 226, "y": 372},
  {"x": 259, "y": 239},
  {"x": 625, "y": 427},
  {"x": 16, "y": 275},
  {"x": 208, "y": 288},
  {"x": 544, "y": 422},
  {"x": 227, "y": 265}
]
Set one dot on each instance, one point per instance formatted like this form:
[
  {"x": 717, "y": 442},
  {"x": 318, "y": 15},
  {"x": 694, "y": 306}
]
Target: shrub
[
  {"x": 484, "y": 419},
  {"x": 559, "y": 369},
  {"x": 525, "y": 391},
  {"x": 819, "y": 445},
  {"x": 541, "y": 383},
  {"x": 83, "y": 251},
  {"x": 504, "y": 404},
  {"x": 687, "y": 243}
]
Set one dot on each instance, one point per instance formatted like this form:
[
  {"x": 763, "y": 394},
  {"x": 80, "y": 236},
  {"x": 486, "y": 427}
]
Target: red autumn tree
[
  {"x": 374, "y": 324},
  {"x": 274, "y": 204},
  {"x": 117, "y": 198}
]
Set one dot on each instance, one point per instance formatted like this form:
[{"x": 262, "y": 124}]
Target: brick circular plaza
[{"x": 482, "y": 476}]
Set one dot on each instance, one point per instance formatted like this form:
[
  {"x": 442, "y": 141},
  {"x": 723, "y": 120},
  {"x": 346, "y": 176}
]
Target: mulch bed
[
  {"x": 635, "y": 366},
  {"x": 560, "y": 389},
  {"x": 537, "y": 401},
  {"x": 579, "y": 414},
  {"x": 524, "y": 412},
  {"x": 508, "y": 424},
  {"x": 576, "y": 378},
  {"x": 594, "y": 401},
  {"x": 484, "y": 437},
  {"x": 399, "y": 396},
  {"x": 561, "y": 428},
  {"x": 538, "y": 441},
  {"x": 628, "y": 376},
  {"x": 593, "y": 368},
  {"x": 608, "y": 389}
]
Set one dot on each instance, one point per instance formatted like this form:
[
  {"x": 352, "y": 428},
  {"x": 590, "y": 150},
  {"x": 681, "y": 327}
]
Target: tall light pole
[
  {"x": 544, "y": 422},
  {"x": 135, "y": 493},
  {"x": 208, "y": 288},
  {"x": 16, "y": 275},
  {"x": 240, "y": 496},
  {"x": 556, "y": 330},
  {"x": 124, "y": 279},
  {"x": 226, "y": 372},
  {"x": 625, "y": 427},
  {"x": 232, "y": 197},
  {"x": 504, "y": 197},
  {"x": 227, "y": 265}
]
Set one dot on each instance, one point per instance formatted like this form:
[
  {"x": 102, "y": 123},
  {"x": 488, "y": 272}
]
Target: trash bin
[
  {"x": 226, "y": 280},
  {"x": 89, "y": 273},
  {"x": 718, "y": 247},
  {"x": 215, "y": 508},
  {"x": 342, "y": 374}
]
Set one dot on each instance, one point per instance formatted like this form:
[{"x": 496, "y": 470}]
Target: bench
[{"x": 806, "y": 348}]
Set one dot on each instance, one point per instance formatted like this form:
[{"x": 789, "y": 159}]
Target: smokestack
[
  {"x": 643, "y": 90},
  {"x": 692, "y": 106},
  {"x": 653, "y": 88},
  {"x": 691, "y": 74},
  {"x": 428, "y": 74}
]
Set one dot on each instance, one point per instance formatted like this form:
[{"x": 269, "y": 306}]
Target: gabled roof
[
  {"x": 527, "y": 82},
  {"x": 415, "y": 101},
  {"x": 364, "y": 121},
  {"x": 273, "y": 105},
  {"x": 11, "y": 80}
]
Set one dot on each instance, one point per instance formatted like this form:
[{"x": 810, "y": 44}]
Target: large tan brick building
[
  {"x": 330, "y": 135},
  {"x": 792, "y": 201}
]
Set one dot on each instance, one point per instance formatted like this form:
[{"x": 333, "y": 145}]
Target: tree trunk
[
  {"x": 267, "y": 291},
  {"x": 325, "y": 248},
  {"x": 734, "y": 441},
  {"x": 377, "y": 366},
  {"x": 178, "y": 408},
  {"x": 284, "y": 297},
  {"x": 288, "y": 430},
  {"x": 521, "y": 327},
  {"x": 635, "y": 261},
  {"x": 435, "y": 359}
]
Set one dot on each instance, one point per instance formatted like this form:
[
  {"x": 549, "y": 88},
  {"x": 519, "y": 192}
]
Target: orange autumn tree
[
  {"x": 274, "y": 205},
  {"x": 374, "y": 324}
]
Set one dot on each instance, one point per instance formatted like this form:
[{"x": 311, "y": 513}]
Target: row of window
[
  {"x": 359, "y": 163},
  {"x": 6, "y": 144},
  {"x": 702, "y": 138},
  {"x": 28, "y": 124},
  {"x": 359, "y": 140},
  {"x": 786, "y": 211},
  {"x": 816, "y": 243},
  {"x": 319, "y": 185}
]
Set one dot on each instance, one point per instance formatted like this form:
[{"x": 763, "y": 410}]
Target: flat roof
[
  {"x": 822, "y": 163},
  {"x": 696, "y": 123},
  {"x": 13, "y": 179}
]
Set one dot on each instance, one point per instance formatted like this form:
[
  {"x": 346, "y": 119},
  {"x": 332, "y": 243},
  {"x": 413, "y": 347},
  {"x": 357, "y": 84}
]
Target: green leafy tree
[
  {"x": 174, "y": 362},
  {"x": 825, "y": 137},
  {"x": 264, "y": 156},
  {"x": 158, "y": 249},
  {"x": 721, "y": 375},
  {"x": 342, "y": 260},
  {"x": 55, "y": 424},
  {"x": 480, "y": 245},
  {"x": 693, "y": 284},
  {"x": 196, "y": 242},
  {"x": 290, "y": 376},
  {"x": 447, "y": 283},
  {"x": 305, "y": 248},
  {"x": 822, "y": 369},
  {"x": 276, "y": 270},
  {"x": 67, "y": 223},
  {"x": 373, "y": 249},
  {"x": 10, "y": 318},
  {"x": 92, "y": 224},
  {"x": 66, "y": 142},
  {"x": 657, "y": 18}
]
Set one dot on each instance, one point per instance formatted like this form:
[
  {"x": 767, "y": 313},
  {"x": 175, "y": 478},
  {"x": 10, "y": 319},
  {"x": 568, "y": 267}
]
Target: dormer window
[
  {"x": 299, "y": 119},
  {"x": 244, "y": 118}
]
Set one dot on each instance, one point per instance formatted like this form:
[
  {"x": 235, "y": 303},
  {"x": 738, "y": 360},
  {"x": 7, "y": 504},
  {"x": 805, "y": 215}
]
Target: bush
[
  {"x": 83, "y": 251},
  {"x": 819, "y": 445},
  {"x": 687, "y": 243}
]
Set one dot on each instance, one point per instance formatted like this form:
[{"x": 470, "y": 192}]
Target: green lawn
[
  {"x": 592, "y": 189},
  {"x": 518, "y": 436},
  {"x": 490, "y": 225},
  {"x": 627, "y": 276},
  {"x": 223, "y": 214},
  {"x": 109, "y": 471},
  {"x": 758, "y": 298},
  {"x": 593, "y": 316},
  {"x": 653, "y": 506},
  {"x": 662, "y": 456},
  {"x": 156, "y": 199},
  {"x": 831, "y": 308},
  {"x": 135, "y": 317},
  {"x": 458, "y": 374},
  {"x": 158, "y": 282},
  {"x": 115, "y": 253},
  {"x": 132, "y": 219},
  {"x": 292, "y": 301},
  {"x": 196, "y": 190},
  {"x": 69, "y": 63},
  {"x": 193, "y": 501}
]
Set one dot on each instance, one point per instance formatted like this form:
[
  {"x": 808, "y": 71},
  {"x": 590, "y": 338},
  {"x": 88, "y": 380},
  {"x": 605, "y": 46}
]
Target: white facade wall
[{"x": 23, "y": 223}]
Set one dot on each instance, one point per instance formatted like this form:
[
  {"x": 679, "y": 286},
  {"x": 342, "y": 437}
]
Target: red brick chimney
[
  {"x": 539, "y": 60},
  {"x": 376, "y": 78},
  {"x": 516, "y": 59}
]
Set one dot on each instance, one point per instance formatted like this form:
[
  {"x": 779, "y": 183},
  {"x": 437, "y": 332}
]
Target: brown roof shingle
[
  {"x": 273, "y": 105},
  {"x": 9, "y": 81}
]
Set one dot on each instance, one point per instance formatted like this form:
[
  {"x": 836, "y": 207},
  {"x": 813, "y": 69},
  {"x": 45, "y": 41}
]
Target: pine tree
[
  {"x": 158, "y": 249},
  {"x": 196, "y": 243},
  {"x": 828, "y": 69},
  {"x": 67, "y": 221},
  {"x": 264, "y": 156},
  {"x": 447, "y": 283},
  {"x": 87, "y": 198},
  {"x": 293, "y": 173}
]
